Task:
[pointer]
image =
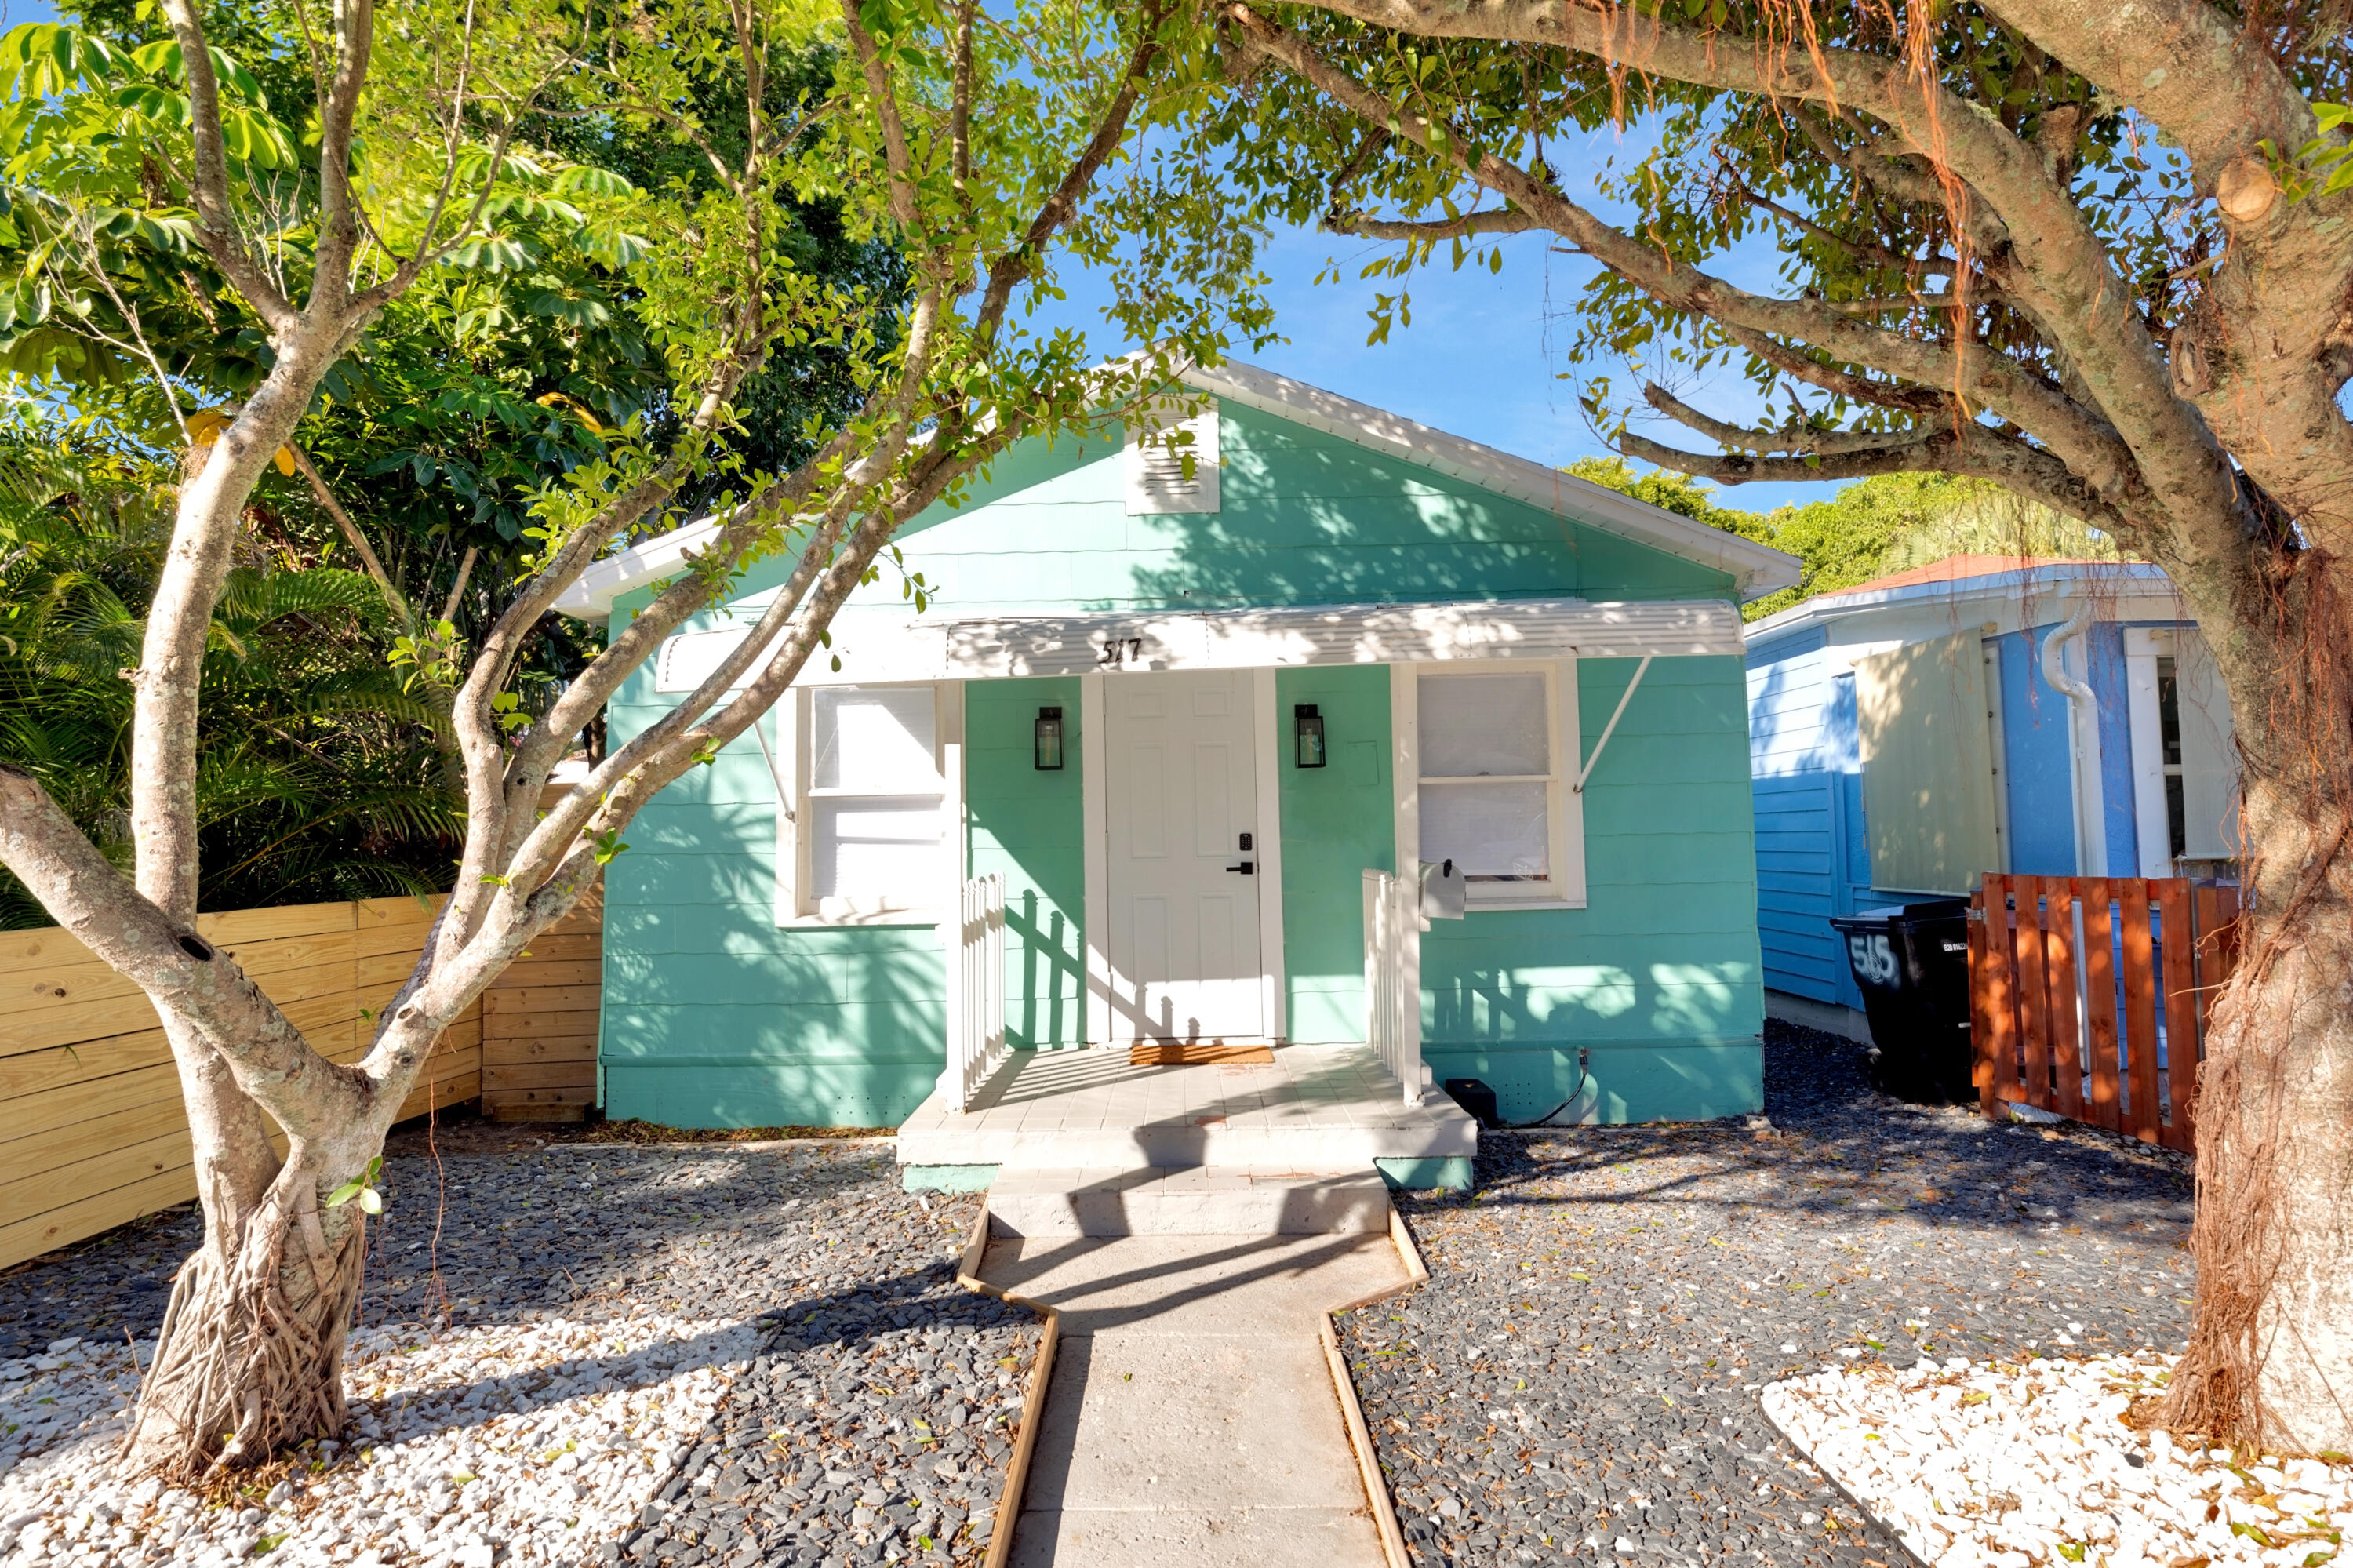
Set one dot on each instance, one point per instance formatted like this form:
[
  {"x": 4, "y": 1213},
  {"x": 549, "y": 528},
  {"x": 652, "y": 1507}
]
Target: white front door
[{"x": 1182, "y": 864}]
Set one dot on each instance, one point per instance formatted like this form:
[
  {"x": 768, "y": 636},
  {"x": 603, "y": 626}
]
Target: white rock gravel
[
  {"x": 1974, "y": 1463},
  {"x": 515, "y": 1444}
]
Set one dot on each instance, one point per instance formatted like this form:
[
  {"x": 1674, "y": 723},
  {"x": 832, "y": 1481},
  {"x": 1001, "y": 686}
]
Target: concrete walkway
[{"x": 1191, "y": 1418}]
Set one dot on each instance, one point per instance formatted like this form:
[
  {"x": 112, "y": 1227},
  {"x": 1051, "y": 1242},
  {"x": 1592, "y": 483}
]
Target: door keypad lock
[{"x": 1246, "y": 868}]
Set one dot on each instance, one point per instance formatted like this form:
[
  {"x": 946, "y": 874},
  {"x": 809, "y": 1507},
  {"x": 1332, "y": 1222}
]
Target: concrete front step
[{"x": 1187, "y": 1200}]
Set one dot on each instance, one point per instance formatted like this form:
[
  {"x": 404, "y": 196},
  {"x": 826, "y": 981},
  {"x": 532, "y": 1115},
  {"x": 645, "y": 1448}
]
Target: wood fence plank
[
  {"x": 538, "y": 1075},
  {"x": 1997, "y": 1002},
  {"x": 33, "y": 1072},
  {"x": 70, "y": 1023},
  {"x": 2214, "y": 907},
  {"x": 45, "y": 1151},
  {"x": 563, "y": 946},
  {"x": 2106, "y": 1107},
  {"x": 71, "y": 1105},
  {"x": 86, "y": 1215},
  {"x": 26, "y": 1195},
  {"x": 2181, "y": 1001},
  {"x": 1980, "y": 1019},
  {"x": 540, "y": 999},
  {"x": 532, "y": 972},
  {"x": 505, "y": 1026},
  {"x": 2034, "y": 990},
  {"x": 45, "y": 947},
  {"x": 2059, "y": 966},
  {"x": 529, "y": 1105},
  {"x": 29, "y": 994},
  {"x": 236, "y": 928},
  {"x": 2140, "y": 1012},
  {"x": 540, "y": 1048},
  {"x": 441, "y": 1096}
]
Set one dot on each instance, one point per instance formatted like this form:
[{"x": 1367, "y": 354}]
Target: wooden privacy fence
[
  {"x": 92, "y": 1131},
  {"x": 539, "y": 1022},
  {"x": 2088, "y": 996}
]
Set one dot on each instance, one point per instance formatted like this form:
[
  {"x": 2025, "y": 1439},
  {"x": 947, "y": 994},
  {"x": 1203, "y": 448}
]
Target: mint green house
[{"x": 1184, "y": 732}]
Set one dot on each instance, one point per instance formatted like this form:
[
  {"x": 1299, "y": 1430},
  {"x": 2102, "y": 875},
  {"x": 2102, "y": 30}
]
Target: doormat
[{"x": 1196, "y": 1054}]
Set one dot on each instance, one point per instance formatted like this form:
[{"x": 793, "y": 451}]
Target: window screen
[
  {"x": 1487, "y": 777},
  {"x": 875, "y": 795}
]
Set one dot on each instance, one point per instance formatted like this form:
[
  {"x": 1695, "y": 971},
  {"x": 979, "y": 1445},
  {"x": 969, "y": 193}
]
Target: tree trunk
[
  {"x": 2269, "y": 1360},
  {"x": 251, "y": 1356}
]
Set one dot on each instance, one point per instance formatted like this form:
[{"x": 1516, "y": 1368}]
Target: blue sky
[{"x": 1486, "y": 353}]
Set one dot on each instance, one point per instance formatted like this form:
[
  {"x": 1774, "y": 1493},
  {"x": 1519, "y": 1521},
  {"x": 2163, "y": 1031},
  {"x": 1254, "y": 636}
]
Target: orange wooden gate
[{"x": 2088, "y": 995}]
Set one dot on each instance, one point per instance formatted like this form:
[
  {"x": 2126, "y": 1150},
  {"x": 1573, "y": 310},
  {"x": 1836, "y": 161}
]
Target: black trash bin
[{"x": 1912, "y": 964}]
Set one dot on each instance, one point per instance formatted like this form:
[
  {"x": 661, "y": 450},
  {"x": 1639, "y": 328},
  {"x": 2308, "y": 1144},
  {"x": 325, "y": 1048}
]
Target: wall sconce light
[
  {"x": 1307, "y": 728},
  {"x": 1048, "y": 741}
]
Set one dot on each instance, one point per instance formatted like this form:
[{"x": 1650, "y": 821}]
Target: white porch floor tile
[{"x": 1315, "y": 1108}]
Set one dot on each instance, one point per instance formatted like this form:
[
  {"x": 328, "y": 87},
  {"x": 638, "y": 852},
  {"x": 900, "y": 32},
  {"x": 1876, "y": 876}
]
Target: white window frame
[
  {"x": 2144, "y": 647},
  {"x": 1564, "y": 802},
  {"x": 795, "y": 905}
]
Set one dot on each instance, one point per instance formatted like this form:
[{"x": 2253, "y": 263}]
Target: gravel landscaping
[
  {"x": 716, "y": 1355},
  {"x": 1980, "y": 1466},
  {"x": 1581, "y": 1374}
]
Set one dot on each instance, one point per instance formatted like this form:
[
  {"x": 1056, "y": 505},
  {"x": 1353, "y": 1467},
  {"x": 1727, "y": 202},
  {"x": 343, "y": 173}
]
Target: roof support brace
[{"x": 1611, "y": 727}]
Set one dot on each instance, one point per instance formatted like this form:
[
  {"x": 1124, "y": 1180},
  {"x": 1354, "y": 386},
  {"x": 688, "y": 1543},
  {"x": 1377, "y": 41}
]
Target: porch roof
[{"x": 878, "y": 648}]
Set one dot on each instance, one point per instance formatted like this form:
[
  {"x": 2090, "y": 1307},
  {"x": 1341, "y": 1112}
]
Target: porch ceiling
[{"x": 924, "y": 648}]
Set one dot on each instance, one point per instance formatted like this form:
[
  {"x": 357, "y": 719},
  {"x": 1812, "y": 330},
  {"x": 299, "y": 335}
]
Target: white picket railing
[
  {"x": 1393, "y": 928},
  {"x": 976, "y": 991}
]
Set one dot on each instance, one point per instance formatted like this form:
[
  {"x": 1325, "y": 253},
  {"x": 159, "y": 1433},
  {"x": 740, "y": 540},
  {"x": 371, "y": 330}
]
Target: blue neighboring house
[{"x": 1906, "y": 736}]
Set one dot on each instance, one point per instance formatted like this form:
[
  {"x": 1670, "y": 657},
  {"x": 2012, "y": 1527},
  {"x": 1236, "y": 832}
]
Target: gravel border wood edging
[
  {"x": 1033, "y": 1402},
  {"x": 1352, "y": 1413}
]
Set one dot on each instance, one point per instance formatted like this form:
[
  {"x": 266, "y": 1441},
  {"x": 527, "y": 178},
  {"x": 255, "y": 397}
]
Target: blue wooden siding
[
  {"x": 2039, "y": 783},
  {"x": 1806, "y": 784},
  {"x": 715, "y": 1016}
]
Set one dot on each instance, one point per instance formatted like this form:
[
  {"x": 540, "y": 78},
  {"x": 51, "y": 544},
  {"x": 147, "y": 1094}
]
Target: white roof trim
[
  {"x": 875, "y": 649},
  {"x": 591, "y": 595},
  {"x": 2062, "y": 580},
  {"x": 1757, "y": 570}
]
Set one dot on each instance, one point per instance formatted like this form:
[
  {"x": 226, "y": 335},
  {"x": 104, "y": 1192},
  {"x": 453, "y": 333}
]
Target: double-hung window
[
  {"x": 867, "y": 835},
  {"x": 1495, "y": 760}
]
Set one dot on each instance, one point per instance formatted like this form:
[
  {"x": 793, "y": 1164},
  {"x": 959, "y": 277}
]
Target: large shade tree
[
  {"x": 980, "y": 144},
  {"x": 2100, "y": 254}
]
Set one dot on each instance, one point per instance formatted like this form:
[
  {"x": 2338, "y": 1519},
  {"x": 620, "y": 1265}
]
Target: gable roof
[
  {"x": 1977, "y": 577},
  {"x": 1756, "y": 569}
]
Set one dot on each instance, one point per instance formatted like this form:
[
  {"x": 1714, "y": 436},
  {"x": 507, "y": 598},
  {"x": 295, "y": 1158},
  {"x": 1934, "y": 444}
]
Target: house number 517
[{"x": 1118, "y": 650}]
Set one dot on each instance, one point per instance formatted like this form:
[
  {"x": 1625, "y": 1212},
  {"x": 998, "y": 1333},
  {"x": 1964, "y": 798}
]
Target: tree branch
[
  {"x": 208, "y": 183},
  {"x": 1507, "y": 221},
  {"x": 186, "y": 976},
  {"x": 1819, "y": 442},
  {"x": 2086, "y": 439}
]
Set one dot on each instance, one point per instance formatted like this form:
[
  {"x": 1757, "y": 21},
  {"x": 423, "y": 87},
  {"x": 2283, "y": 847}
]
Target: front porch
[{"x": 1313, "y": 1108}]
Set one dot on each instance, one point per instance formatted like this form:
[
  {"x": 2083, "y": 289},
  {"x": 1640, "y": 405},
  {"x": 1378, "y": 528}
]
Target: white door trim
[
  {"x": 1270, "y": 853},
  {"x": 1095, "y": 804},
  {"x": 2143, "y": 647},
  {"x": 1094, "y": 798}
]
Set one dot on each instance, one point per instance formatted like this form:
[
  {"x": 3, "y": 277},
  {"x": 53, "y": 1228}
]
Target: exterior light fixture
[
  {"x": 1307, "y": 729},
  {"x": 1048, "y": 741}
]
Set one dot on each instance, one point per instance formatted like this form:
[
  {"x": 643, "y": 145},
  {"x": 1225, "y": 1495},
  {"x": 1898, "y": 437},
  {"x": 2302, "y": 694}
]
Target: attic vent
[{"x": 1156, "y": 480}]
